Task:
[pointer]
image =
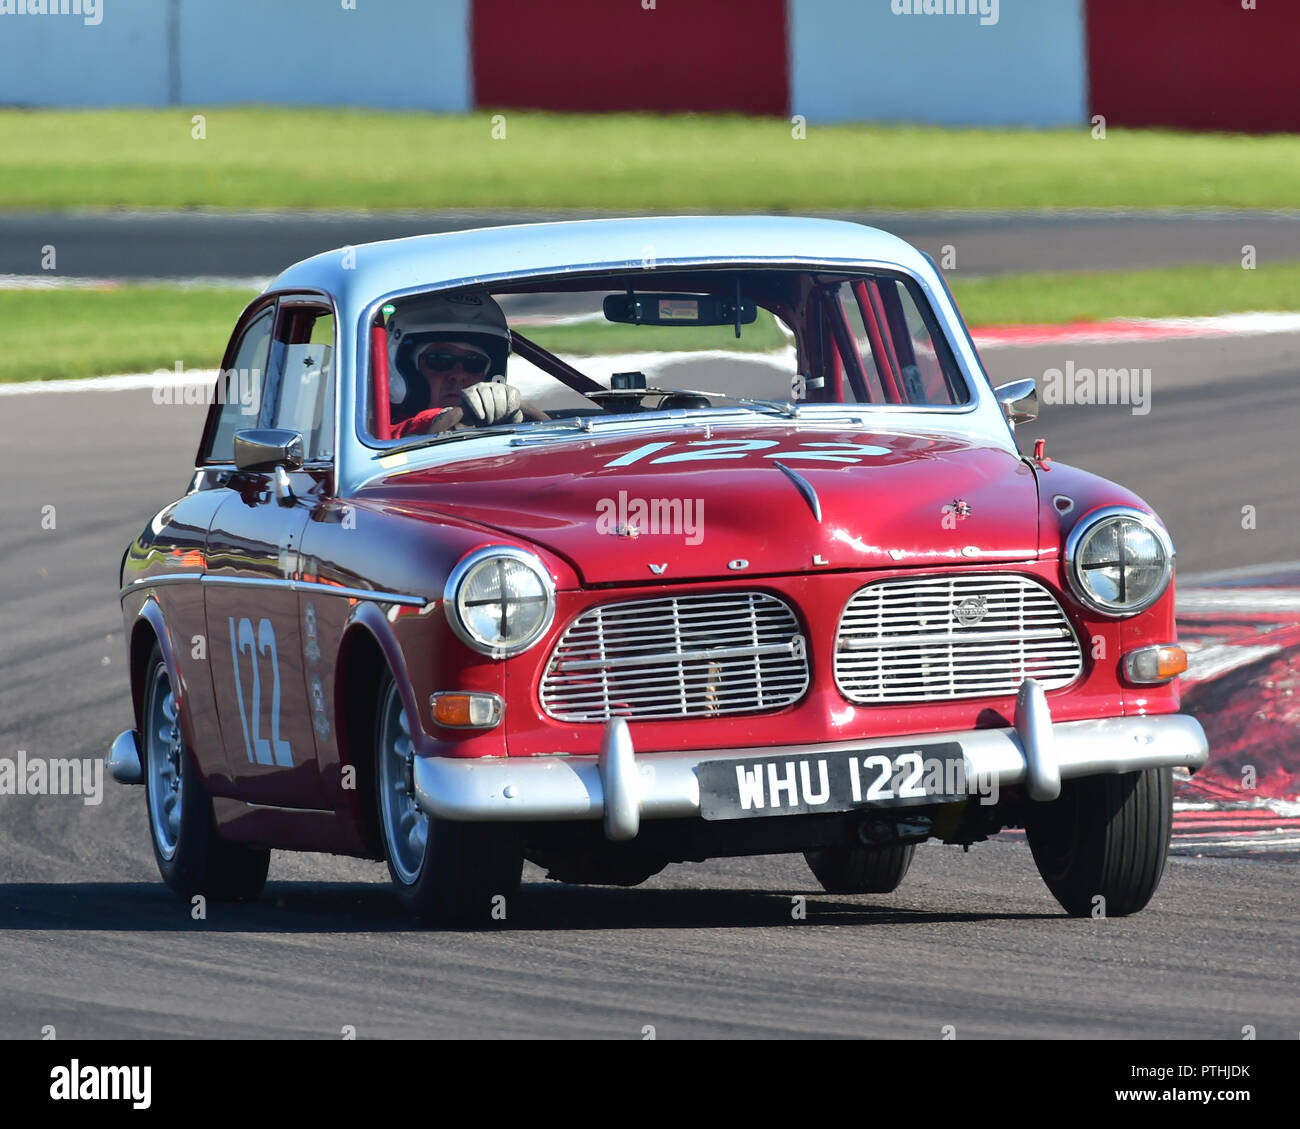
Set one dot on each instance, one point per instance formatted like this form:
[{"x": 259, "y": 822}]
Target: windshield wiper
[
  {"x": 449, "y": 436},
  {"x": 639, "y": 421},
  {"x": 541, "y": 430},
  {"x": 779, "y": 407}
]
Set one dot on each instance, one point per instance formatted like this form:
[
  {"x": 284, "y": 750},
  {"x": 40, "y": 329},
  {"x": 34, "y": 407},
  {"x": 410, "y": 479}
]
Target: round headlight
[
  {"x": 500, "y": 600},
  {"x": 1119, "y": 560}
]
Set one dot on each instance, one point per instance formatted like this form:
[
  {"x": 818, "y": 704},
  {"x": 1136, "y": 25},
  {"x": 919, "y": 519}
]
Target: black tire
[
  {"x": 191, "y": 857},
  {"x": 464, "y": 870},
  {"x": 1104, "y": 836},
  {"x": 861, "y": 870}
]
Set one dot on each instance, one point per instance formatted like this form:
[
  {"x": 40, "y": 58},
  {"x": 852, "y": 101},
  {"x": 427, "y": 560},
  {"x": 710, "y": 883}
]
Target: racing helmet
[{"x": 474, "y": 319}]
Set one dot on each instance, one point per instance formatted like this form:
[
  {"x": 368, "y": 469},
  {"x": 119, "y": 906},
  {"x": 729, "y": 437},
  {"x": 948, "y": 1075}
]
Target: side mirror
[
  {"x": 1019, "y": 401},
  {"x": 270, "y": 449},
  {"x": 263, "y": 449}
]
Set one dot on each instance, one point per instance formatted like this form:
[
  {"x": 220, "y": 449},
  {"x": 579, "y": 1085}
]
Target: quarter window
[{"x": 239, "y": 388}]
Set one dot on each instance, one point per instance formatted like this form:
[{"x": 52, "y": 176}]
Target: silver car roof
[{"x": 357, "y": 275}]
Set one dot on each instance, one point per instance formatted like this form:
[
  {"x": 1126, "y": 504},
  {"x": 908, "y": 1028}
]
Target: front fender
[{"x": 149, "y": 626}]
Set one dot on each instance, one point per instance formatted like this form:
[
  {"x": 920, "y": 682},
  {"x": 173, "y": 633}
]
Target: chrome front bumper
[
  {"x": 622, "y": 788},
  {"x": 125, "y": 765}
]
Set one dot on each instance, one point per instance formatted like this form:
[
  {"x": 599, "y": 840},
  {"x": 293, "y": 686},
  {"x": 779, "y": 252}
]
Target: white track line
[
  {"x": 1135, "y": 330},
  {"x": 525, "y": 376},
  {"x": 1243, "y": 845},
  {"x": 1241, "y": 572},
  {"x": 128, "y": 382},
  {"x": 1211, "y": 662},
  {"x": 1285, "y": 809},
  {"x": 72, "y": 282},
  {"x": 200, "y": 383},
  {"x": 1202, "y": 600}
]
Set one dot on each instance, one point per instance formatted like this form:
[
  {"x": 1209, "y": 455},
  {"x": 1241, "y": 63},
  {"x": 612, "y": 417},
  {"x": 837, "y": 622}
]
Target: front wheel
[
  {"x": 192, "y": 858},
  {"x": 861, "y": 870},
  {"x": 1101, "y": 845},
  {"x": 445, "y": 873}
]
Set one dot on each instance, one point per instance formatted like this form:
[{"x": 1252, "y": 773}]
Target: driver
[{"x": 447, "y": 363}]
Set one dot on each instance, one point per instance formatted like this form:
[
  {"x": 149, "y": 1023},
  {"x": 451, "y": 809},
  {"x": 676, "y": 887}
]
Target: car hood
[{"x": 745, "y": 501}]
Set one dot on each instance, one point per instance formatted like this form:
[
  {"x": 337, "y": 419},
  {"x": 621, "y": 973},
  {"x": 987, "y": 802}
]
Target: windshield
[{"x": 450, "y": 363}]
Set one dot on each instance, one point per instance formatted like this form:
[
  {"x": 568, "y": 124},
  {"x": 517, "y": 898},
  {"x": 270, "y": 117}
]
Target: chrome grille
[
  {"x": 905, "y": 640},
  {"x": 680, "y": 656}
]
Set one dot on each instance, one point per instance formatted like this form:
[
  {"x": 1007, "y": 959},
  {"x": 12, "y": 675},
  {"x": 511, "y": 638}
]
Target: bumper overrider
[{"x": 621, "y": 788}]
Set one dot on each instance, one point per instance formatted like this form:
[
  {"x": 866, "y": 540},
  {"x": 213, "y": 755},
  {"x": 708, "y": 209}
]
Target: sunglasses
[{"x": 473, "y": 363}]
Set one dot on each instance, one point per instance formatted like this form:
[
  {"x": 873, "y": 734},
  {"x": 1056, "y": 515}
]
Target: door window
[{"x": 302, "y": 396}]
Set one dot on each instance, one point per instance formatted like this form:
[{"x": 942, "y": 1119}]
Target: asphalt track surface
[
  {"x": 93, "y": 944},
  {"x": 139, "y": 245}
]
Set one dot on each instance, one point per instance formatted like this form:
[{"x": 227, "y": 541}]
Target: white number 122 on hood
[{"x": 710, "y": 449}]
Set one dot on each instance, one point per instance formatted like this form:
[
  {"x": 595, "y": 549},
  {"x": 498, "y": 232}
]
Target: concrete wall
[
  {"x": 398, "y": 54},
  {"x": 857, "y": 60}
]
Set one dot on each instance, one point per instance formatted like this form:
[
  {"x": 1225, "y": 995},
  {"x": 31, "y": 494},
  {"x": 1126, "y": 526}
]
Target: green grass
[
  {"x": 284, "y": 158},
  {"x": 70, "y": 333},
  {"x": 48, "y": 334},
  {"x": 1055, "y": 297}
]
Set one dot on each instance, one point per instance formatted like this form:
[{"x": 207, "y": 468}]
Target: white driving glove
[{"x": 487, "y": 403}]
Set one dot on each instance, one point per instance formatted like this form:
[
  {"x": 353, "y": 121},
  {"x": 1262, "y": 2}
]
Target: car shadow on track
[
  {"x": 358, "y": 907},
  {"x": 550, "y": 907}
]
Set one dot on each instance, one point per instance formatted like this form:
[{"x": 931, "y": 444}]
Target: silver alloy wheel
[
  {"x": 164, "y": 749},
  {"x": 406, "y": 827}
]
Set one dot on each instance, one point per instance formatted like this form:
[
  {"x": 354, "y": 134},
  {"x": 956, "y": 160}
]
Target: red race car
[{"x": 616, "y": 543}]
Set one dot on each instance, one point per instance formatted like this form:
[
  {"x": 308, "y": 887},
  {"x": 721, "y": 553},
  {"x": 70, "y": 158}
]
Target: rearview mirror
[{"x": 677, "y": 309}]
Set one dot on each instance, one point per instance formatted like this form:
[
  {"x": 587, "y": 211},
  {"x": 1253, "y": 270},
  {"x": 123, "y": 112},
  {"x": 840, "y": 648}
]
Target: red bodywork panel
[
  {"x": 890, "y": 507},
  {"x": 884, "y": 500},
  {"x": 899, "y": 500}
]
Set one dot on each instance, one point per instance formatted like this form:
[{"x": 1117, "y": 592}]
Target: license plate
[{"x": 809, "y": 783}]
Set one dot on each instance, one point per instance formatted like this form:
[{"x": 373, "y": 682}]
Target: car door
[
  {"x": 175, "y": 542},
  {"x": 252, "y": 558}
]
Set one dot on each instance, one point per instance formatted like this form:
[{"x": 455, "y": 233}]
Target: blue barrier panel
[
  {"x": 86, "y": 53},
  {"x": 401, "y": 54},
  {"x": 949, "y": 62}
]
